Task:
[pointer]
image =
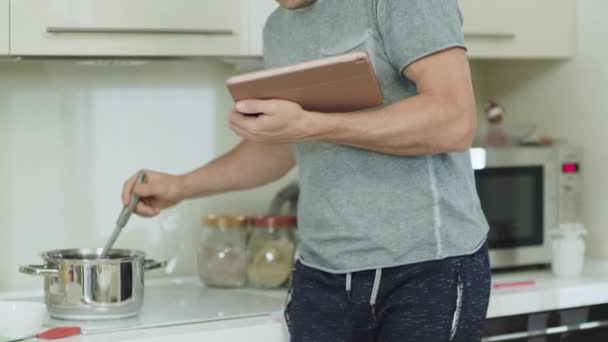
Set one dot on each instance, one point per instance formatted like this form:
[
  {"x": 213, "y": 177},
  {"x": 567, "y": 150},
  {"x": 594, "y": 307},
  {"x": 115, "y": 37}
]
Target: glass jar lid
[
  {"x": 225, "y": 221},
  {"x": 275, "y": 222}
]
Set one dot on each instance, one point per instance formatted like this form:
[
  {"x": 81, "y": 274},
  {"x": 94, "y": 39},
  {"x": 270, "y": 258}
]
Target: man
[{"x": 392, "y": 233}]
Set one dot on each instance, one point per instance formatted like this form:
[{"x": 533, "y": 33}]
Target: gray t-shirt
[{"x": 359, "y": 209}]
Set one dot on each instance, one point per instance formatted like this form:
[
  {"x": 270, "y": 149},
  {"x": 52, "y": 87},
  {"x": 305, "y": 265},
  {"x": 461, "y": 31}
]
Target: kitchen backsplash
[{"x": 69, "y": 136}]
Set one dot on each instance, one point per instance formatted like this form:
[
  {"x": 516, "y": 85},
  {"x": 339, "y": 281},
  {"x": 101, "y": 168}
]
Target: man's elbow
[{"x": 463, "y": 131}]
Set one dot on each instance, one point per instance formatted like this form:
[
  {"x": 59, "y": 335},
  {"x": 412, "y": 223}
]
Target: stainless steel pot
[{"x": 78, "y": 285}]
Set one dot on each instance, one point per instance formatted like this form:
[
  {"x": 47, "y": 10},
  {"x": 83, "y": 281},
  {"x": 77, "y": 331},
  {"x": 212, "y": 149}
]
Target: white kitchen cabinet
[
  {"x": 4, "y": 28},
  {"x": 494, "y": 29},
  {"x": 126, "y": 27},
  {"x": 514, "y": 29},
  {"x": 257, "y": 13}
]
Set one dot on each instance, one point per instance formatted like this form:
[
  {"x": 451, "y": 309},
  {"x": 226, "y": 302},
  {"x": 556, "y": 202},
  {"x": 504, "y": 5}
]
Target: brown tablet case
[{"x": 343, "y": 83}]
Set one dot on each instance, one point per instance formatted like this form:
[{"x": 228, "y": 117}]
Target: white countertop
[
  {"x": 547, "y": 293},
  {"x": 268, "y": 329},
  {"x": 180, "y": 309}
]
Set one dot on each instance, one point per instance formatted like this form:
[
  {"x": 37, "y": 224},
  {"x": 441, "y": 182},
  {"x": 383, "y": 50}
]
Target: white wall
[
  {"x": 70, "y": 134},
  {"x": 568, "y": 99}
]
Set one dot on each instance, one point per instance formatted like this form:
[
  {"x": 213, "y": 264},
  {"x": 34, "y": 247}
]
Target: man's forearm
[
  {"x": 246, "y": 166},
  {"x": 423, "y": 124}
]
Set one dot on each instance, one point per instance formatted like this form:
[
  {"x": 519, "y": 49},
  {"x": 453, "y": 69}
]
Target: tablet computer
[{"x": 343, "y": 83}]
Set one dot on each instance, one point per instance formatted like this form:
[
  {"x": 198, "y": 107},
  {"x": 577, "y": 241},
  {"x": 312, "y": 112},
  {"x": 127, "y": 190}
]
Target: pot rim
[{"x": 130, "y": 255}]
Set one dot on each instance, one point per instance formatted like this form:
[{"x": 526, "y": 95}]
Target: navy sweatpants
[{"x": 435, "y": 301}]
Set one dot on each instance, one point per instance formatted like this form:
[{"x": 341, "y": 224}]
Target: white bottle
[{"x": 569, "y": 250}]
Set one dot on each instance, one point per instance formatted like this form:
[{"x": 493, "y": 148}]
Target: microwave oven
[{"x": 525, "y": 193}]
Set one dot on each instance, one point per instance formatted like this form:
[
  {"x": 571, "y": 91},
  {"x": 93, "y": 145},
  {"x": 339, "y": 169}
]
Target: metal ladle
[{"x": 124, "y": 216}]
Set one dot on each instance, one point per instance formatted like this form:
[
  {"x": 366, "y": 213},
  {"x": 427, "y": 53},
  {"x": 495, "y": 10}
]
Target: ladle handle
[{"x": 127, "y": 211}]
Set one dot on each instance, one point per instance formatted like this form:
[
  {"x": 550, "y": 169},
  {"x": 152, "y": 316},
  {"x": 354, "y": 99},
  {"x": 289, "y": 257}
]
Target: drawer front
[
  {"x": 4, "y": 9},
  {"x": 125, "y": 27},
  {"x": 519, "y": 28}
]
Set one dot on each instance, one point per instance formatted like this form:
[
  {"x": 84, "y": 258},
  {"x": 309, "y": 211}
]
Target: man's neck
[{"x": 305, "y": 4}]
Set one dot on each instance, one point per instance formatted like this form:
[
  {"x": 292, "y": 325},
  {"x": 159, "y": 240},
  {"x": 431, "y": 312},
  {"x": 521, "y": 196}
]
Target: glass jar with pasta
[{"x": 271, "y": 251}]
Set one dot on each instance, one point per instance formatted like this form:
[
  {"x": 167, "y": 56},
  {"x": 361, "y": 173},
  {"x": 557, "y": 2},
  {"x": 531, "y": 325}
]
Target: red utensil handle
[
  {"x": 515, "y": 284},
  {"x": 57, "y": 333}
]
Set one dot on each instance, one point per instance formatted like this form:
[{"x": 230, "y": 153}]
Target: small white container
[
  {"x": 568, "y": 250},
  {"x": 21, "y": 318}
]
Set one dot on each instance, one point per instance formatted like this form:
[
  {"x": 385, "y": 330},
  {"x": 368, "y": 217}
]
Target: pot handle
[
  {"x": 151, "y": 264},
  {"x": 39, "y": 270}
]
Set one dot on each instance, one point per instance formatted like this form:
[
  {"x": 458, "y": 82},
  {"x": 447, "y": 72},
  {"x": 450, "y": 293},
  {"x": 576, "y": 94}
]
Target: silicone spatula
[
  {"x": 53, "y": 334},
  {"x": 124, "y": 216}
]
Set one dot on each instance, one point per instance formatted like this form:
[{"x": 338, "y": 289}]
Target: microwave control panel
[{"x": 570, "y": 184}]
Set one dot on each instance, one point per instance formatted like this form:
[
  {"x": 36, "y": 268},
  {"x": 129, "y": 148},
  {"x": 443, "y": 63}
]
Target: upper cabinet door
[
  {"x": 126, "y": 27},
  {"x": 519, "y": 28},
  {"x": 258, "y": 12},
  {"x": 4, "y": 28}
]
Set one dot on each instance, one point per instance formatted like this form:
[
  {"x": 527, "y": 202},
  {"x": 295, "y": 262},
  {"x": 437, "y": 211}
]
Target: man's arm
[
  {"x": 248, "y": 165},
  {"x": 440, "y": 118}
]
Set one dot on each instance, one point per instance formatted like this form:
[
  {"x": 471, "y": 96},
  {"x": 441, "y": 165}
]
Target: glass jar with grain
[{"x": 222, "y": 251}]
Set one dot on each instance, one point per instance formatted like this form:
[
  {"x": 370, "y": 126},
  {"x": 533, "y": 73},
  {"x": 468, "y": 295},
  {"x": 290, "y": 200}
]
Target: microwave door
[{"x": 512, "y": 200}]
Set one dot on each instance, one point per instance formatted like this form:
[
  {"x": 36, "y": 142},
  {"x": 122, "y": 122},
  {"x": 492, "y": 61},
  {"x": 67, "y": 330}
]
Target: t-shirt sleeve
[
  {"x": 413, "y": 29},
  {"x": 269, "y": 38}
]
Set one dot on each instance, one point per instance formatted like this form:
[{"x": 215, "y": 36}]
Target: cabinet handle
[
  {"x": 111, "y": 30},
  {"x": 488, "y": 35},
  {"x": 546, "y": 332}
]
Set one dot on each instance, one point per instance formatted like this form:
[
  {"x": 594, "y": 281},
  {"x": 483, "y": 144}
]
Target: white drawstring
[
  {"x": 349, "y": 284},
  {"x": 375, "y": 289},
  {"x": 456, "y": 318}
]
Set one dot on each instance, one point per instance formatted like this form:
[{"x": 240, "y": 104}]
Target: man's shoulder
[{"x": 273, "y": 21}]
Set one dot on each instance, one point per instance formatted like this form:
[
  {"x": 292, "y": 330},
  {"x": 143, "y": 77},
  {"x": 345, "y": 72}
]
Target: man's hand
[
  {"x": 160, "y": 191},
  {"x": 279, "y": 121}
]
